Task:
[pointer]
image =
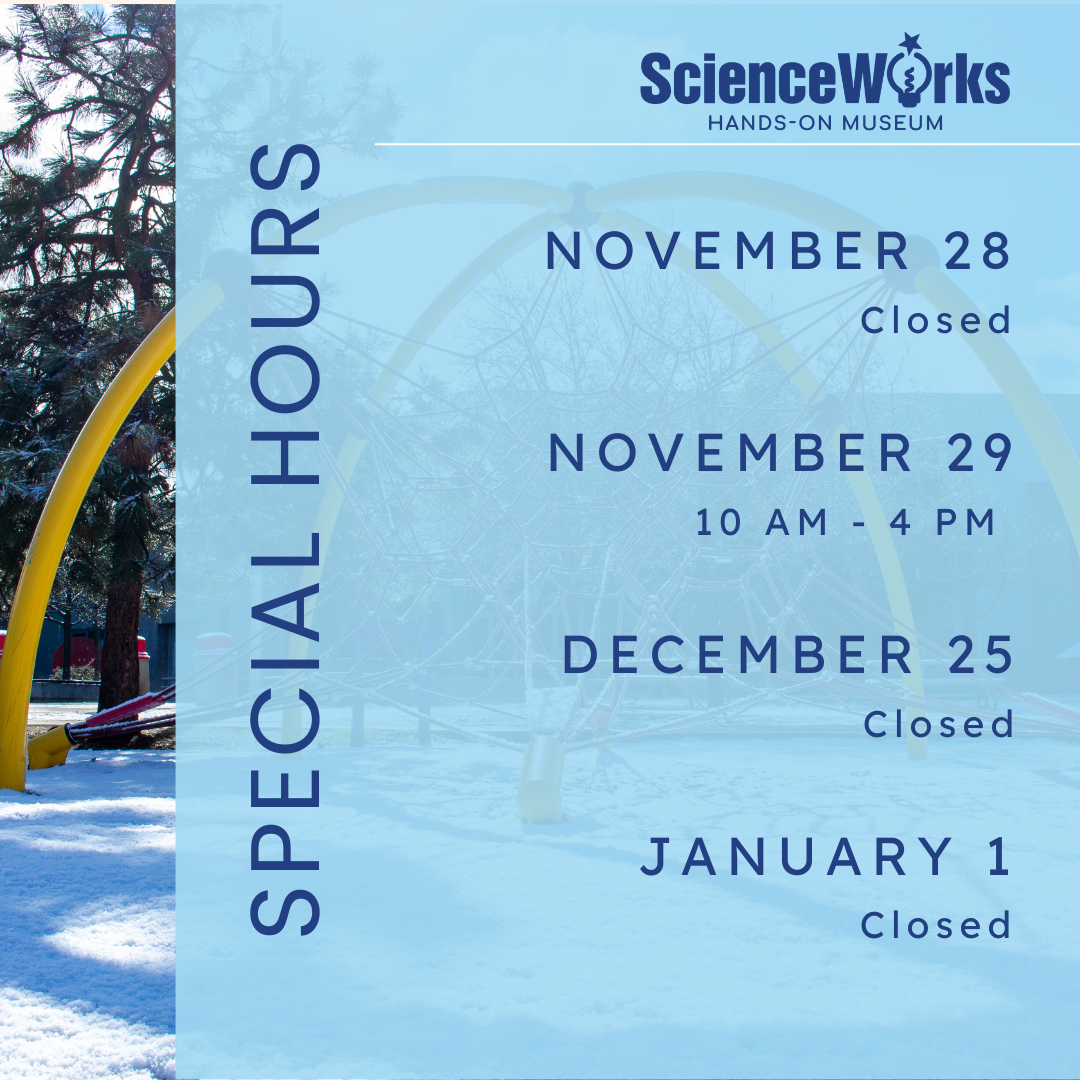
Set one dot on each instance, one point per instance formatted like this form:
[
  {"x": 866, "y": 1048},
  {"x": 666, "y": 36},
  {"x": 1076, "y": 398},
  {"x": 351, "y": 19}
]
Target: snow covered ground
[
  {"x": 86, "y": 920},
  {"x": 457, "y": 940},
  {"x": 87, "y": 884}
]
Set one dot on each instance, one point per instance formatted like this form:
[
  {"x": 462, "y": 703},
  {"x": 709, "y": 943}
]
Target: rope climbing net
[{"x": 473, "y": 543}]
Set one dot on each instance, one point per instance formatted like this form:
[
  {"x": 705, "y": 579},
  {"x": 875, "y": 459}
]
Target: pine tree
[{"x": 86, "y": 271}]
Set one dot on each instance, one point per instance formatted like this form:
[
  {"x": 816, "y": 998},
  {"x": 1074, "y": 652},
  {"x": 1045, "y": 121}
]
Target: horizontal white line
[{"x": 717, "y": 145}]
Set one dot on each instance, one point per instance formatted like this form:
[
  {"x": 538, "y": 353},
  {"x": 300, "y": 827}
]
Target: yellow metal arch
[
  {"x": 729, "y": 294},
  {"x": 1031, "y": 408},
  {"x": 39, "y": 569},
  {"x": 50, "y": 536}
]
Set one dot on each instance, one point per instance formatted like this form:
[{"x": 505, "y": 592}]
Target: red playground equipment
[{"x": 52, "y": 746}]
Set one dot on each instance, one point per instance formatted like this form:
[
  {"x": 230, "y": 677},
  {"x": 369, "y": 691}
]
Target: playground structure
[
  {"x": 51, "y": 747},
  {"x": 530, "y": 577}
]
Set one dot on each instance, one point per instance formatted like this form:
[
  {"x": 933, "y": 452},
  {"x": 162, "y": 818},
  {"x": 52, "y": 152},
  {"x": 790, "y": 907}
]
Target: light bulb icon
[{"x": 910, "y": 94}]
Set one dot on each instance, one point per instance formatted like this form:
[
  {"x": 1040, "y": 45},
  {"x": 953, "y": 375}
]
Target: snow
[
  {"x": 87, "y": 920},
  {"x": 457, "y": 940}
]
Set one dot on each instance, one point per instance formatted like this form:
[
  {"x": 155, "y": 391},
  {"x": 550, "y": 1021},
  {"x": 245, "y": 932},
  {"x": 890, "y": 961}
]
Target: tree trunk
[
  {"x": 66, "y": 674},
  {"x": 120, "y": 655}
]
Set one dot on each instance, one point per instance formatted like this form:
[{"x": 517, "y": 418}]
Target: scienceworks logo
[{"x": 854, "y": 78}]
